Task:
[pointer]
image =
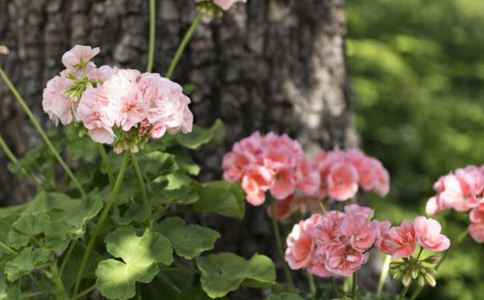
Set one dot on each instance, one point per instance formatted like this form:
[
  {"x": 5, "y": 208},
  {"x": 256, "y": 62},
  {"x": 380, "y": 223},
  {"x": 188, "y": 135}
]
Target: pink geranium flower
[
  {"x": 399, "y": 241},
  {"x": 342, "y": 181},
  {"x": 256, "y": 182},
  {"x": 79, "y": 55},
  {"x": 429, "y": 236},
  {"x": 300, "y": 243},
  {"x": 56, "y": 103}
]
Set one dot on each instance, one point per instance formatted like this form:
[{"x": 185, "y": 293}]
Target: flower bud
[
  {"x": 407, "y": 279},
  {"x": 432, "y": 259},
  {"x": 430, "y": 280},
  {"x": 421, "y": 280}
]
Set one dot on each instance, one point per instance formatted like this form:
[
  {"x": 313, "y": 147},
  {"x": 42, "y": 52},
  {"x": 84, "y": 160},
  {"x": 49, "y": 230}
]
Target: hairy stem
[
  {"x": 142, "y": 187},
  {"x": 100, "y": 221},
  {"x": 383, "y": 275},
  {"x": 354, "y": 284},
  {"x": 312, "y": 285},
  {"x": 107, "y": 163},
  {"x": 183, "y": 45},
  {"x": 41, "y": 131},
  {"x": 335, "y": 287},
  {"x": 60, "y": 292},
  {"x": 151, "y": 47},
  {"x": 403, "y": 293},
  {"x": 277, "y": 235}
]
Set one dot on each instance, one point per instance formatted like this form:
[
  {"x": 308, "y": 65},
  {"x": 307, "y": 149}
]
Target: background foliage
[{"x": 417, "y": 70}]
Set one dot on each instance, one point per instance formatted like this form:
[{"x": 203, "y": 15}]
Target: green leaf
[
  {"x": 9, "y": 291},
  {"x": 201, "y": 136},
  {"x": 25, "y": 263},
  {"x": 184, "y": 195},
  {"x": 157, "y": 163},
  {"x": 225, "y": 272},
  {"x": 139, "y": 256},
  {"x": 223, "y": 198},
  {"x": 189, "y": 241},
  {"x": 56, "y": 216}
]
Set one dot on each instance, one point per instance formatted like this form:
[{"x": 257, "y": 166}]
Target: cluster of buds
[{"x": 411, "y": 269}]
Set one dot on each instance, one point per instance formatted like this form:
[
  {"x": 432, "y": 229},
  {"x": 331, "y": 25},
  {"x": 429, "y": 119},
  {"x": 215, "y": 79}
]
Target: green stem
[
  {"x": 277, "y": 235},
  {"x": 101, "y": 220},
  {"x": 60, "y": 292},
  {"x": 335, "y": 287},
  {"x": 404, "y": 292},
  {"x": 67, "y": 257},
  {"x": 7, "y": 151},
  {"x": 460, "y": 239},
  {"x": 106, "y": 163},
  {"x": 85, "y": 292},
  {"x": 354, "y": 283},
  {"x": 32, "y": 294},
  {"x": 142, "y": 186},
  {"x": 151, "y": 47},
  {"x": 383, "y": 275},
  {"x": 312, "y": 285},
  {"x": 183, "y": 45},
  {"x": 8, "y": 249},
  {"x": 41, "y": 131}
]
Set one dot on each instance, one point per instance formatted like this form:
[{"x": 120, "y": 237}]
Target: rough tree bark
[{"x": 267, "y": 65}]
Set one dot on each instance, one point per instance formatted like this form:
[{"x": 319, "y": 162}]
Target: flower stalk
[
  {"x": 101, "y": 220},
  {"x": 183, "y": 44},
  {"x": 277, "y": 236}
]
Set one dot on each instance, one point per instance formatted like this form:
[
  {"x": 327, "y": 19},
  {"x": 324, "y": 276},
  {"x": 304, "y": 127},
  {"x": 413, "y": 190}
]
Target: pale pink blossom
[
  {"x": 56, "y": 103},
  {"x": 79, "y": 54},
  {"x": 342, "y": 181},
  {"x": 165, "y": 103},
  {"x": 429, "y": 236},
  {"x": 97, "y": 115}
]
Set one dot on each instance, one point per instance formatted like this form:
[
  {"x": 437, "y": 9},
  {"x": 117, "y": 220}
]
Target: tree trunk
[{"x": 268, "y": 65}]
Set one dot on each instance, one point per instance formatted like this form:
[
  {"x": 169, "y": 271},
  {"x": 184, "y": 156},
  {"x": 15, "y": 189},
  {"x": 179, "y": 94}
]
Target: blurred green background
[{"x": 417, "y": 70}]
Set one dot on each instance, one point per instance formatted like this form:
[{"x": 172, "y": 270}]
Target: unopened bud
[
  {"x": 414, "y": 273},
  {"x": 430, "y": 280},
  {"x": 432, "y": 259},
  {"x": 421, "y": 281},
  {"x": 407, "y": 279}
]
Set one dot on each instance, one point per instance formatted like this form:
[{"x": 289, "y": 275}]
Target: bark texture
[{"x": 267, "y": 65}]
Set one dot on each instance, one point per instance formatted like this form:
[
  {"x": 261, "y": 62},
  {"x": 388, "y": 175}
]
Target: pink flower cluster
[
  {"x": 269, "y": 163},
  {"x": 278, "y": 164},
  {"x": 338, "y": 243},
  {"x": 223, "y": 4},
  {"x": 343, "y": 173},
  {"x": 462, "y": 190},
  {"x": 107, "y": 100}
]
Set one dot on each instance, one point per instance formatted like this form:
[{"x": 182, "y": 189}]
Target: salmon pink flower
[
  {"x": 256, "y": 182},
  {"x": 342, "y": 181},
  {"x": 429, "y": 236},
  {"x": 300, "y": 243},
  {"x": 345, "y": 260},
  {"x": 400, "y": 241}
]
